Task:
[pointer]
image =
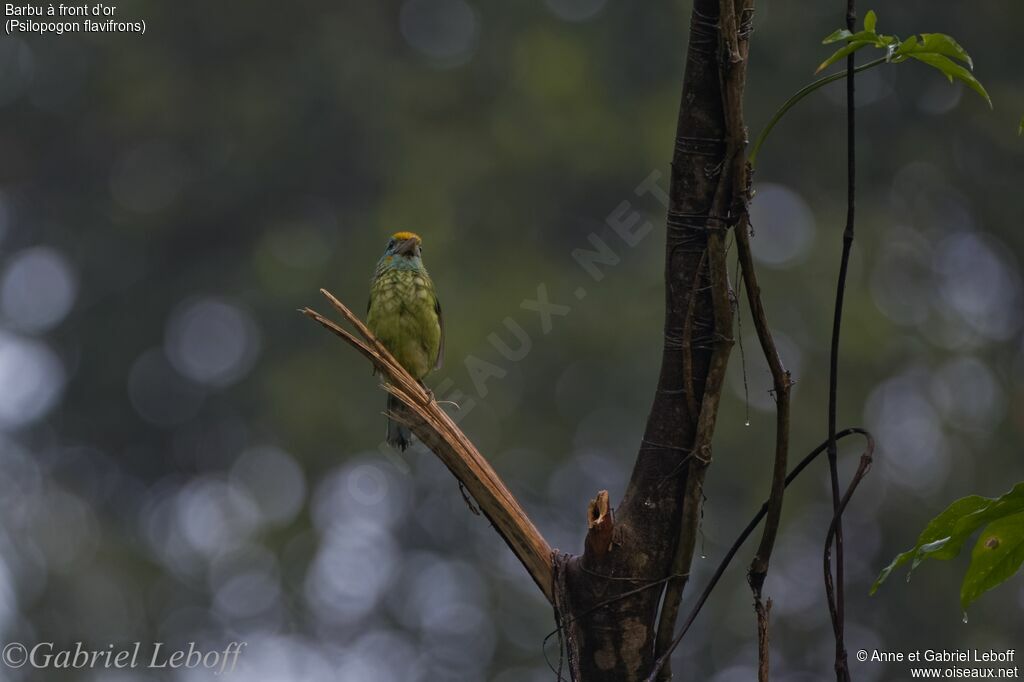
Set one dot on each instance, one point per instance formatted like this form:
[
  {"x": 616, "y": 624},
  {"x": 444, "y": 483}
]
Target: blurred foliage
[
  {"x": 183, "y": 457},
  {"x": 937, "y": 50}
]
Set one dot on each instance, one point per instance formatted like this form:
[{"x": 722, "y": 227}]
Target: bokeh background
[{"x": 185, "y": 458}]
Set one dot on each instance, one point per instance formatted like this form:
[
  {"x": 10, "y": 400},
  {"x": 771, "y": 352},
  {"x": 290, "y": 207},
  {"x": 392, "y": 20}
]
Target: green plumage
[{"x": 405, "y": 315}]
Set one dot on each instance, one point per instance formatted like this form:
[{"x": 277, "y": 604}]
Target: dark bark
[{"x": 609, "y": 600}]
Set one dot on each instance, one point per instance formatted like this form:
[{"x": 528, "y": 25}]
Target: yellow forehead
[{"x": 402, "y": 236}]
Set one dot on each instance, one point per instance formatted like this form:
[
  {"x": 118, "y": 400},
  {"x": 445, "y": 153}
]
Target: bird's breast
[{"x": 402, "y": 291}]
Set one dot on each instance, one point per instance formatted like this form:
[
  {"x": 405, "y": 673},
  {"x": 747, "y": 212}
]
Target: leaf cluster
[{"x": 937, "y": 50}]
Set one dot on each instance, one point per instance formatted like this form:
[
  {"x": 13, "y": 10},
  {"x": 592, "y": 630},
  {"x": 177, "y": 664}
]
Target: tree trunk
[
  {"x": 608, "y": 599},
  {"x": 638, "y": 558}
]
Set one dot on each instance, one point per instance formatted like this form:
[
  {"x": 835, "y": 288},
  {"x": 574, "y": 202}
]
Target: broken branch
[{"x": 438, "y": 432}]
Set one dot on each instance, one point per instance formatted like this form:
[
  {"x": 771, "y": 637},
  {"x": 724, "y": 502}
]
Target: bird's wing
[
  {"x": 440, "y": 347},
  {"x": 369, "y": 304}
]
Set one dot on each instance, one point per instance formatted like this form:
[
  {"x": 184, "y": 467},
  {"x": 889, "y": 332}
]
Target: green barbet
[{"x": 405, "y": 315}]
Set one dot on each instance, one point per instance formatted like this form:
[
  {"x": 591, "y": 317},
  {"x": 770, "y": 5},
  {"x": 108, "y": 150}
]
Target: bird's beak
[{"x": 406, "y": 248}]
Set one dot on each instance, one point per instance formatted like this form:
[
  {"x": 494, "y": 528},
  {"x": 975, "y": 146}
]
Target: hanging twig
[
  {"x": 830, "y": 591},
  {"x": 837, "y": 600},
  {"x": 782, "y": 383},
  {"x": 736, "y": 24},
  {"x": 742, "y": 537}
]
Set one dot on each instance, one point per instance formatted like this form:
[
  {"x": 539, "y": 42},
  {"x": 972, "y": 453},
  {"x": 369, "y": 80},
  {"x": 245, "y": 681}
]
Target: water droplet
[
  {"x": 908, "y": 576},
  {"x": 965, "y": 616},
  {"x": 703, "y": 556},
  {"x": 649, "y": 504},
  {"x": 747, "y": 423}
]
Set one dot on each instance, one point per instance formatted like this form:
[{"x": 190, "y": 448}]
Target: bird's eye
[{"x": 391, "y": 243}]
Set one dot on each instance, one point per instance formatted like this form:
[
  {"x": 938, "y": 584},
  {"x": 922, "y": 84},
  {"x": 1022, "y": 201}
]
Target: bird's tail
[{"x": 399, "y": 435}]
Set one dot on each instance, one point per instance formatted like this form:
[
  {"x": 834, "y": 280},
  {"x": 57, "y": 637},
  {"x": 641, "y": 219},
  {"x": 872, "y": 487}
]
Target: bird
[{"x": 405, "y": 315}]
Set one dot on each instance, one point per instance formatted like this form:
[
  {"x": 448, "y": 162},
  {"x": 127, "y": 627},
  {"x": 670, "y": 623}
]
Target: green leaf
[
  {"x": 944, "y": 536},
  {"x": 841, "y": 34},
  {"x": 870, "y": 19},
  {"x": 936, "y": 43},
  {"x": 869, "y": 36},
  {"x": 996, "y": 557},
  {"x": 952, "y": 70},
  {"x": 943, "y": 44},
  {"x": 925, "y": 550},
  {"x": 939, "y": 530},
  {"x": 865, "y": 36},
  {"x": 843, "y": 52},
  {"x": 905, "y": 48}
]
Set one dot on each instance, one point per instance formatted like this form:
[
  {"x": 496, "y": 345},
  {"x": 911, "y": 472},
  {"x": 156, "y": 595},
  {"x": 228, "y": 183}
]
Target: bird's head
[{"x": 404, "y": 246}]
